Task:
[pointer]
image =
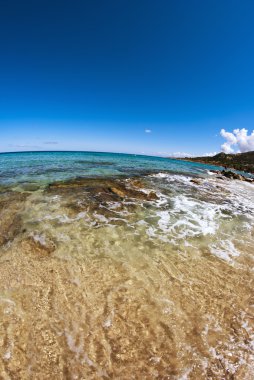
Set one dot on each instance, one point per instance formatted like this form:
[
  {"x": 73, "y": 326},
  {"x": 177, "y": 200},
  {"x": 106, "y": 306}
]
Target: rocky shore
[
  {"x": 222, "y": 174},
  {"x": 240, "y": 161}
]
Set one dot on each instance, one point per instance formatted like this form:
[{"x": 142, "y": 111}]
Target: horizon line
[{"x": 87, "y": 151}]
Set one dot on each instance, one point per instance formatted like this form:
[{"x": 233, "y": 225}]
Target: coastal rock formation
[
  {"x": 238, "y": 161},
  {"x": 232, "y": 175}
]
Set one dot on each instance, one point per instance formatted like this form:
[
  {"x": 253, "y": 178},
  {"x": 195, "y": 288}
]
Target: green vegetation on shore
[{"x": 239, "y": 161}]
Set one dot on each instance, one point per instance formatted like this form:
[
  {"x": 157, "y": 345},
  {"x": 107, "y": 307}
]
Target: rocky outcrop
[
  {"x": 232, "y": 175},
  {"x": 105, "y": 190},
  {"x": 106, "y": 198}
]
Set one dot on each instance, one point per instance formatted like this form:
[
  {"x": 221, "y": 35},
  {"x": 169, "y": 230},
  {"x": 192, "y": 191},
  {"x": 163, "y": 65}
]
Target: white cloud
[
  {"x": 148, "y": 131},
  {"x": 24, "y": 146},
  {"x": 238, "y": 139},
  {"x": 226, "y": 148},
  {"x": 185, "y": 154},
  {"x": 208, "y": 154},
  {"x": 231, "y": 139},
  {"x": 180, "y": 154}
]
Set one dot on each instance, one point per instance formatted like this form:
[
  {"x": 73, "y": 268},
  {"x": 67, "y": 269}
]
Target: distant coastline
[{"x": 240, "y": 161}]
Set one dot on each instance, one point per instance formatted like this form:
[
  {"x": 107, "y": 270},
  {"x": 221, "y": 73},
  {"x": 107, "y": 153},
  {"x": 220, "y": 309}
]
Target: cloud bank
[
  {"x": 184, "y": 154},
  {"x": 237, "y": 141},
  {"x": 180, "y": 154}
]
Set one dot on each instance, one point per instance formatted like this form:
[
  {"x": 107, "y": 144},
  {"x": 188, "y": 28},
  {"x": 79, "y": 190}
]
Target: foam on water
[{"x": 225, "y": 250}]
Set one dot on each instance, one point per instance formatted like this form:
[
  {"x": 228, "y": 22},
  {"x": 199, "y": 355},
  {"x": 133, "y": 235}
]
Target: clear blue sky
[{"x": 94, "y": 75}]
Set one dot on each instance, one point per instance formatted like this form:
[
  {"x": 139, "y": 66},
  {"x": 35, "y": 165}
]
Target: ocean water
[
  {"x": 118, "y": 266},
  {"x": 45, "y": 167}
]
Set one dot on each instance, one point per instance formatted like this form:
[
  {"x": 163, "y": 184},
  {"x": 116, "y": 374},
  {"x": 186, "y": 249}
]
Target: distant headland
[{"x": 239, "y": 161}]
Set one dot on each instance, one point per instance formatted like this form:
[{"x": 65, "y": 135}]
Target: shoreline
[{"x": 217, "y": 164}]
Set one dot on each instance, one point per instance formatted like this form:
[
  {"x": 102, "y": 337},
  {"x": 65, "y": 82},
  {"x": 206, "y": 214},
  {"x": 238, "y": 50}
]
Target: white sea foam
[
  {"x": 63, "y": 218},
  {"x": 160, "y": 175},
  {"x": 40, "y": 238},
  {"x": 172, "y": 177},
  {"x": 188, "y": 217},
  {"x": 101, "y": 218},
  {"x": 225, "y": 250},
  {"x": 184, "y": 213}
]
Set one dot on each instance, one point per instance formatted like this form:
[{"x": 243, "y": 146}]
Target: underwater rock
[
  {"x": 152, "y": 196},
  {"x": 101, "y": 199},
  {"x": 137, "y": 183},
  {"x": 30, "y": 187},
  {"x": 39, "y": 246},
  {"x": 103, "y": 189},
  {"x": 118, "y": 192},
  {"x": 11, "y": 203},
  {"x": 127, "y": 192}
]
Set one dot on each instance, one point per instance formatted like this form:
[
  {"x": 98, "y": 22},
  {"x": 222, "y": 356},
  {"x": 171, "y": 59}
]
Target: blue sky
[{"x": 97, "y": 75}]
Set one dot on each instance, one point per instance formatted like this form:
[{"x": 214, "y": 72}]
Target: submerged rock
[
  {"x": 152, "y": 196},
  {"x": 137, "y": 183},
  {"x": 30, "y": 187},
  {"x": 11, "y": 204},
  {"x": 102, "y": 199},
  {"x": 124, "y": 191},
  {"x": 118, "y": 192},
  {"x": 104, "y": 189},
  {"x": 39, "y": 246}
]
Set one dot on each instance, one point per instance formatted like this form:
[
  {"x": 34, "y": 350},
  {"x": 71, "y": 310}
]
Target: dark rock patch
[
  {"x": 108, "y": 197},
  {"x": 197, "y": 181},
  {"x": 103, "y": 189},
  {"x": 30, "y": 187},
  {"x": 11, "y": 204},
  {"x": 32, "y": 246},
  {"x": 232, "y": 175}
]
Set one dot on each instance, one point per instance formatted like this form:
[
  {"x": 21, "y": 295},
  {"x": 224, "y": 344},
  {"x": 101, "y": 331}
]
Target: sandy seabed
[{"x": 108, "y": 279}]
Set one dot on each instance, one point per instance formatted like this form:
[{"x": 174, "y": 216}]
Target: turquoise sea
[{"x": 45, "y": 167}]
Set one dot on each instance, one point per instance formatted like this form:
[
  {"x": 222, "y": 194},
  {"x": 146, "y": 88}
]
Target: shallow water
[{"x": 138, "y": 275}]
